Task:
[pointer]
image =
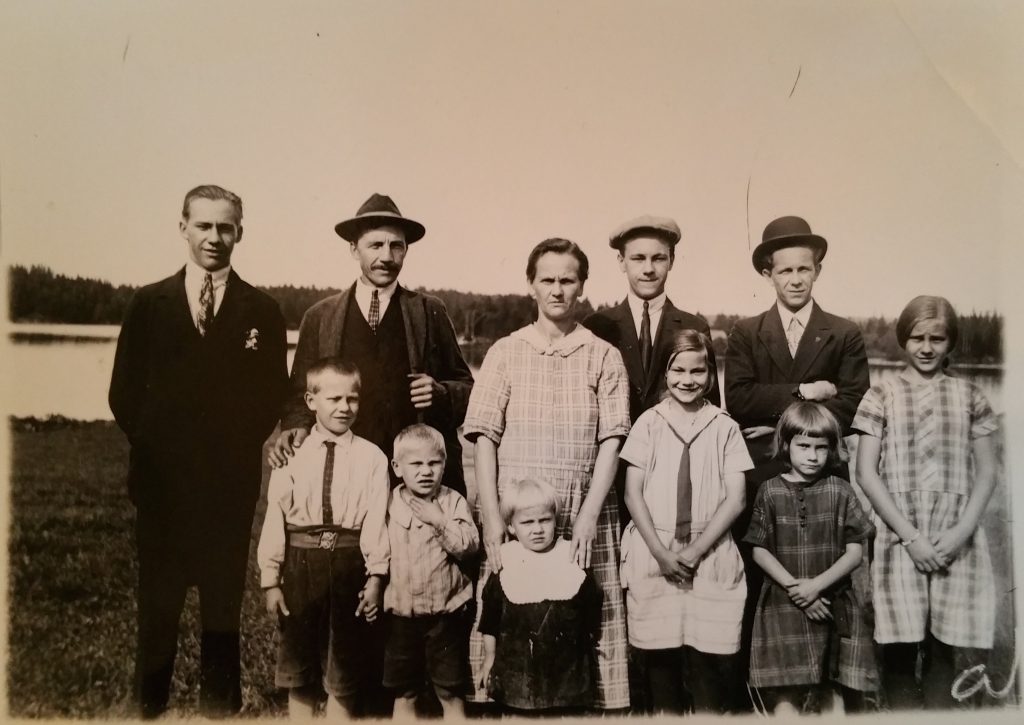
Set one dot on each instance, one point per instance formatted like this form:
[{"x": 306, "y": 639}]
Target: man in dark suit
[
  {"x": 198, "y": 380},
  {"x": 794, "y": 351},
  {"x": 644, "y": 325},
  {"x": 403, "y": 343}
]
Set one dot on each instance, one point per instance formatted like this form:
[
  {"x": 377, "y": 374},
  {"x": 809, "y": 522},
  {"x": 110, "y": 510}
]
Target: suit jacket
[
  {"x": 761, "y": 375},
  {"x": 196, "y": 410},
  {"x": 615, "y": 326},
  {"x": 433, "y": 349}
]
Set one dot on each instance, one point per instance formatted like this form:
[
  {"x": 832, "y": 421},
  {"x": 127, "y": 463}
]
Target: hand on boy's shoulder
[{"x": 284, "y": 447}]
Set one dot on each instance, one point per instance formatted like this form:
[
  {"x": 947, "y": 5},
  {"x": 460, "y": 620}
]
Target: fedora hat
[
  {"x": 378, "y": 211},
  {"x": 646, "y": 225},
  {"x": 786, "y": 231}
]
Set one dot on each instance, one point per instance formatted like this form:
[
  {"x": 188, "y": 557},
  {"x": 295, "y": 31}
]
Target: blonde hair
[
  {"x": 526, "y": 494},
  {"x": 419, "y": 433}
]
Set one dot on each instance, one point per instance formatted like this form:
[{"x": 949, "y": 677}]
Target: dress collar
[
  {"x": 528, "y": 576},
  {"x": 563, "y": 346},
  {"x": 686, "y": 427}
]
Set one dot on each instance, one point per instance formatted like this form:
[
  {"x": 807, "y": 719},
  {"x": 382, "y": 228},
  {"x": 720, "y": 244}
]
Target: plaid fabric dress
[
  {"x": 807, "y": 527},
  {"x": 547, "y": 407},
  {"x": 926, "y": 429}
]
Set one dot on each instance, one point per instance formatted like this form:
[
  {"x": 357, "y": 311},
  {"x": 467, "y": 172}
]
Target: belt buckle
[{"x": 327, "y": 539}]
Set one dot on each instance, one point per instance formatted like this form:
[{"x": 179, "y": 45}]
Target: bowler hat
[
  {"x": 786, "y": 231},
  {"x": 378, "y": 211},
  {"x": 643, "y": 226}
]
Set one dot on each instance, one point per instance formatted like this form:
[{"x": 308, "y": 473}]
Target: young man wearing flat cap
[
  {"x": 794, "y": 351},
  {"x": 643, "y": 327}
]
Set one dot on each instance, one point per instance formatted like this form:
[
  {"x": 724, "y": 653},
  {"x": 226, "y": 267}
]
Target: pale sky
[{"x": 500, "y": 124}]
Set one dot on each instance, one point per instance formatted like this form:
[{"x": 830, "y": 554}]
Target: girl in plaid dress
[
  {"x": 808, "y": 530},
  {"x": 683, "y": 574},
  {"x": 926, "y": 461},
  {"x": 551, "y": 403}
]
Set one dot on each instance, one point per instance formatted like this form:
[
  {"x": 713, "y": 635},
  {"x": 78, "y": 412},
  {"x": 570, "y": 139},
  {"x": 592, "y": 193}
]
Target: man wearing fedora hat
[
  {"x": 403, "y": 343},
  {"x": 794, "y": 351}
]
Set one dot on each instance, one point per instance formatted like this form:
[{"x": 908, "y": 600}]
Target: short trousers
[
  {"x": 322, "y": 640},
  {"x": 432, "y": 648}
]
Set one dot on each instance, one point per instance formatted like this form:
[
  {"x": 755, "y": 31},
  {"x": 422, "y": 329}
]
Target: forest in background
[{"x": 37, "y": 294}]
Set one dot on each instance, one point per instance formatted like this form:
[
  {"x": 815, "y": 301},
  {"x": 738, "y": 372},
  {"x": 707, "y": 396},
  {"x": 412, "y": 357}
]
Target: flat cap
[{"x": 655, "y": 226}]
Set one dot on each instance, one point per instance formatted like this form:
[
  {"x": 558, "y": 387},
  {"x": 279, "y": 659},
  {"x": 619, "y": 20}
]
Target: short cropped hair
[
  {"x": 695, "y": 341},
  {"x": 419, "y": 433},
  {"x": 330, "y": 364},
  {"x": 556, "y": 245},
  {"x": 526, "y": 494},
  {"x": 809, "y": 419},
  {"x": 927, "y": 307},
  {"x": 214, "y": 193}
]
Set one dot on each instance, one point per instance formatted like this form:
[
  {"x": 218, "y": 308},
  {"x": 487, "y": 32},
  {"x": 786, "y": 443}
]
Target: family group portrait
[{"x": 533, "y": 360}]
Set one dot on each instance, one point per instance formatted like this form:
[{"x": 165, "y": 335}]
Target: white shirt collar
[
  {"x": 636, "y": 305},
  {"x": 319, "y": 435},
  {"x": 803, "y": 314},
  {"x": 364, "y": 292},
  {"x": 194, "y": 275}
]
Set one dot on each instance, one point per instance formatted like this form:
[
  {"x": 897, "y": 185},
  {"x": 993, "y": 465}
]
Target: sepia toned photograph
[{"x": 484, "y": 360}]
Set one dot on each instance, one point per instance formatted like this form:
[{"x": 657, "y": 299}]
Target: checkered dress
[
  {"x": 547, "y": 408},
  {"x": 807, "y": 528},
  {"x": 926, "y": 429}
]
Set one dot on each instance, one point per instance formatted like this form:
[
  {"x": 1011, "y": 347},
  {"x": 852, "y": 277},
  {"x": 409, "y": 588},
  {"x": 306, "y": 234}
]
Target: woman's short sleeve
[
  {"x": 983, "y": 420},
  {"x": 761, "y": 531},
  {"x": 612, "y": 396},
  {"x": 636, "y": 451},
  {"x": 870, "y": 417},
  {"x": 736, "y": 458},
  {"x": 857, "y": 526},
  {"x": 491, "y": 390}
]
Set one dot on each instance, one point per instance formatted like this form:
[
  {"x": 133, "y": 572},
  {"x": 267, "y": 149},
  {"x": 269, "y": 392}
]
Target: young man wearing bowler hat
[
  {"x": 643, "y": 327},
  {"x": 794, "y": 351}
]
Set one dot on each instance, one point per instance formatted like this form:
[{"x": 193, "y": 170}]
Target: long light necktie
[
  {"x": 328, "y": 512},
  {"x": 374, "y": 317},
  {"x": 646, "y": 346},
  {"x": 206, "y": 298},
  {"x": 793, "y": 334}
]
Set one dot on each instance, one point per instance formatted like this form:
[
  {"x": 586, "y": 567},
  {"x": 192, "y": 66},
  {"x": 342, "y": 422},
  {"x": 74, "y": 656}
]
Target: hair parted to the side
[
  {"x": 556, "y": 245},
  {"x": 330, "y": 364},
  {"x": 695, "y": 341},
  {"x": 525, "y": 494},
  {"x": 809, "y": 419},
  {"x": 927, "y": 307},
  {"x": 419, "y": 433},
  {"x": 213, "y": 193}
]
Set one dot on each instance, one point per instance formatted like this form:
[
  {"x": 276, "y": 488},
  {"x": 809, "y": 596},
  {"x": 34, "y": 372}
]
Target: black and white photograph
[{"x": 457, "y": 360}]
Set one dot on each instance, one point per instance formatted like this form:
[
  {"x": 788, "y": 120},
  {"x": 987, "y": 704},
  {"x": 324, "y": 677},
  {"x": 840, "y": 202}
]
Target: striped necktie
[
  {"x": 374, "y": 317},
  {"x": 206, "y": 297},
  {"x": 328, "y": 512},
  {"x": 793, "y": 334}
]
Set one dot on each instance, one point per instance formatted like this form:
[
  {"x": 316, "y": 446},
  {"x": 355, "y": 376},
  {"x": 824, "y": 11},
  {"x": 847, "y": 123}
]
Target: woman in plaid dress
[
  {"x": 551, "y": 402},
  {"x": 926, "y": 461},
  {"x": 809, "y": 531}
]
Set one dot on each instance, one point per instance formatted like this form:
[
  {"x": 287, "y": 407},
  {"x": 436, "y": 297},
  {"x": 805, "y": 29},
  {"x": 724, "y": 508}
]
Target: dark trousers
[
  {"x": 682, "y": 679},
  {"x": 212, "y": 558},
  {"x": 919, "y": 675}
]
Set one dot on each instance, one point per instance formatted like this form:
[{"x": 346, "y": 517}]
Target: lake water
[{"x": 65, "y": 370}]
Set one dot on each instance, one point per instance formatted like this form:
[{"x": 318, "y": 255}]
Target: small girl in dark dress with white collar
[{"x": 541, "y": 613}]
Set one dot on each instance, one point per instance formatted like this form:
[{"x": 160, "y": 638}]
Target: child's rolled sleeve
[
  {"x": 373, "y": 536},
  {"x": 271, "y": 547}
]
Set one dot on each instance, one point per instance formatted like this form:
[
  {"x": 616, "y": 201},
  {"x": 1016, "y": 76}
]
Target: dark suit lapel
[
  {"x": 773, "y": 337},
  {"x": 332, "y": 324},
  {"x": 815, "y": 337},
  {"x": 414, "y": 317},
  {"x": 668, "y": 326},
  {"x": 628, "y": 344},
  {"x": 176, "y": 314}
]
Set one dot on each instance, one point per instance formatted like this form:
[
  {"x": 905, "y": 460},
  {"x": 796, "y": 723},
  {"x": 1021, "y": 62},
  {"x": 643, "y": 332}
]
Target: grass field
[{"x": 72, "y": 585}]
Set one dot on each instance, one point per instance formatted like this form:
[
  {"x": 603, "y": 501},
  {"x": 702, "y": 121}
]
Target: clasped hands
[{"x": 806, "y": 594}]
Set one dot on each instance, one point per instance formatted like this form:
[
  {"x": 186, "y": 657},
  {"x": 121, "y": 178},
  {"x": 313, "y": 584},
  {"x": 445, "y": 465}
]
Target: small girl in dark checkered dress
[
  {"x": 808, "y": 530},
  {"x": 926, "y": 460}
]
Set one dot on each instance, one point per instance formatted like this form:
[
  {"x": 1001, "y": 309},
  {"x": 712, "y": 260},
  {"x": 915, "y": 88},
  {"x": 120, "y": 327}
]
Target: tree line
[{"x": 37, "y": 294}]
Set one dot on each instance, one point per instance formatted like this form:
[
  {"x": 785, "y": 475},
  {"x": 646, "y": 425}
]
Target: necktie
[
  {"x": 684, "y": 496},
  {"x": 646, "y": 347},
  {"x": 328, "y": 512},
  {"x": 205, "y": 316},
  {"x": 374, "y": 317},
  {"x": 793, "y": 334}
]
